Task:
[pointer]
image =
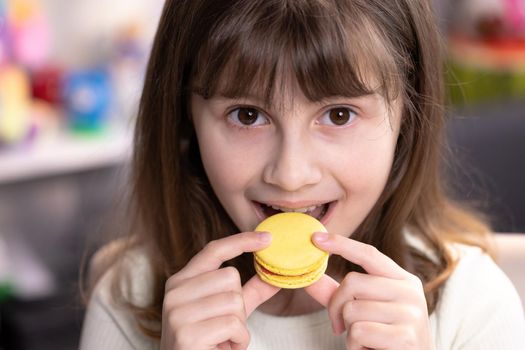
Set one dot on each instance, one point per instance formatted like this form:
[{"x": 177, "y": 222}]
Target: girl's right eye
[{"x": 247, "y": 117}]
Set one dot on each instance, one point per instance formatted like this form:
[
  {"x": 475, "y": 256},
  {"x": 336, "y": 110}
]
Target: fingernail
[
  {"x": 320, "y": 237},
  {"x": 264, "y": 237}
]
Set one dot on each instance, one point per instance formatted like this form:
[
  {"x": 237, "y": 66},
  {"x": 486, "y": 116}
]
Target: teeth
[{"x": 297, "y": 210}]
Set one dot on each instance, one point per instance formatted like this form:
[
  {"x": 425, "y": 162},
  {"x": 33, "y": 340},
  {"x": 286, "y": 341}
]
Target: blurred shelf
[{"x": 66, "y": 153}]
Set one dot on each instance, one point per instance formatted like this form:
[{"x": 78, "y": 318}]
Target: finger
[
  {"x": 367, "y": 256},
  {"x": 235, "y": 346},
  {"x": 212, "y": 332},
  {"x": 217, "y": 281},
  {"x": 323, "y": 290},
  {"x": 223, "y": 304},
  {"x": 360, "y": 286},
  {"x": 371, "y": 335},
  {"x": 372, "y": 311},
  {"x": 255, "y": 292},
  {"x": 215, "y": 253},
  {"x": 225, "y": 346}
]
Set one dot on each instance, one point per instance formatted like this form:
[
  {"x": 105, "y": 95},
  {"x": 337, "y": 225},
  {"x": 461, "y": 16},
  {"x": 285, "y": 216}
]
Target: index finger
[
  {"x": 255, "y": 292},
  {"x": 215, "y": 253},
  {"x": 323, "y": 289},
  {"x": 365, "y": 255}
]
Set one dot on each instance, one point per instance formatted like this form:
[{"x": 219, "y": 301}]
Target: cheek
[
  {"x": 362, "y": 174},
  {"x": 228, "y": 166},
  {"x": 366, "y": 167}
]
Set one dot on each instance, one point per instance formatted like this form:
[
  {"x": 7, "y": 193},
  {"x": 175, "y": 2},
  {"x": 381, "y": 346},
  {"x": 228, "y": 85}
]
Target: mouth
[{"x": 319, "y": 211}]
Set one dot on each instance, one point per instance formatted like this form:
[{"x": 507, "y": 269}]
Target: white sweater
[{"x": 479, "y": 310}]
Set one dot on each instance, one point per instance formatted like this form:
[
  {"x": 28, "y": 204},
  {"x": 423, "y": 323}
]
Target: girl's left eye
[
  {"x": 247, "y": 117},
  {"x": 339, "y": 116}
]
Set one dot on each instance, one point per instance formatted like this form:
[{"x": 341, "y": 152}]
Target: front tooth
[
  {"x": 281, "y": 208},
  {"x": 298, "y": 210}
]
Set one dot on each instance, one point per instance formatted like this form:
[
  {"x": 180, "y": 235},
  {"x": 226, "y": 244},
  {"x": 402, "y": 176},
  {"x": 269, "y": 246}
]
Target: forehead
[{"x": 322, "y": 53}]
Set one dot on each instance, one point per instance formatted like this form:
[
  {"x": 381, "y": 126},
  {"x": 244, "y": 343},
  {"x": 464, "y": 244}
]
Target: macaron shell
[{"x": 291, "y": 251}]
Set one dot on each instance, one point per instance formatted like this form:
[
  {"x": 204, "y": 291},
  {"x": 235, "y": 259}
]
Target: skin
[
  {"x": 205, "y": 306},
  {"x": 294, "y": 155}
]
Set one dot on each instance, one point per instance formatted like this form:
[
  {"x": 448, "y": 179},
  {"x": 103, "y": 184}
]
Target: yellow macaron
[{"x": 291, "y": 260}]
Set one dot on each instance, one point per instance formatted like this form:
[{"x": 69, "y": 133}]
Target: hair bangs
[{"x": 328, "y": 51}]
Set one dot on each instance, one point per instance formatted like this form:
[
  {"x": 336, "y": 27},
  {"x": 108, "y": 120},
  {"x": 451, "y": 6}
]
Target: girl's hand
[
  {"x": 205, "y": 306},
  {"x": 384, "y": 309}
]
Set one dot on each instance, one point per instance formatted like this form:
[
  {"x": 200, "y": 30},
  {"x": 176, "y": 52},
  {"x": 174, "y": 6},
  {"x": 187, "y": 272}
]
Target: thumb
[
  {"x": 323, "y": 289},
  {"x": 255, "y": 292}
]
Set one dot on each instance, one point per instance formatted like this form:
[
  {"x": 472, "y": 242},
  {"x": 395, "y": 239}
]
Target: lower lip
[{"x": 324, "y": 220}]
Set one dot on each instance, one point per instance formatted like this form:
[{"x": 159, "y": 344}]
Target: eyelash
[
  {"x": 242, "y": 126},
  {"x": 353, "y": 115}
]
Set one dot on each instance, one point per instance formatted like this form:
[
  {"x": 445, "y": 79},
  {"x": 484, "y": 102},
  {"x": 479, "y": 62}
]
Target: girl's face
[{"x": 330, "y": 159}]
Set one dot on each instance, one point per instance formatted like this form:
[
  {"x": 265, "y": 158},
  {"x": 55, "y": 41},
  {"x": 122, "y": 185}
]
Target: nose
[{"x": 294, "y": 165}]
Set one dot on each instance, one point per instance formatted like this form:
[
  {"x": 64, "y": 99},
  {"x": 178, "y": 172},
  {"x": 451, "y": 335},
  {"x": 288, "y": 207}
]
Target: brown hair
[{"x": 331, "y": 47}]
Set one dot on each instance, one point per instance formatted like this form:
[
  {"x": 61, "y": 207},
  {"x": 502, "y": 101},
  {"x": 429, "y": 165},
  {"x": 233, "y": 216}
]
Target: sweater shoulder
[
  {"x": 479, "y": 305},
  {"x": 130, "y": 277},
  {"x": 479, "y": 274}
]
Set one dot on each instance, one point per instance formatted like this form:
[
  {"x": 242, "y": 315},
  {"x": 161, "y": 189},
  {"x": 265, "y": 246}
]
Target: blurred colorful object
[
  {"x": 127, "y": 70},
  {"x": 48, "y": 51},
  {"x": 516, "y": 15},
  {"x": 88, "y": 99},
  {"x": 487, "y": 51},
  {"x": 47, "y": 85},
  {"x": 15, "y": 100},
  {"x": 29, "y": 29},
  {"x": 3, "y": 33}
]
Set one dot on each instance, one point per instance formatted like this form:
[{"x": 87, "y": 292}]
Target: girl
[{"x": 329, "y": 107}]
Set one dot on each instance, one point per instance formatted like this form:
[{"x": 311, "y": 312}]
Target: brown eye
[
  {"x": 247, "y": 116},
  {"x": 340, "y": 116}
]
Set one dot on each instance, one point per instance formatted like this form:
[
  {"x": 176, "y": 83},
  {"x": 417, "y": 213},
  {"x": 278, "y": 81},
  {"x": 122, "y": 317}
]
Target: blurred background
[{"x": 70, "y": 79}]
